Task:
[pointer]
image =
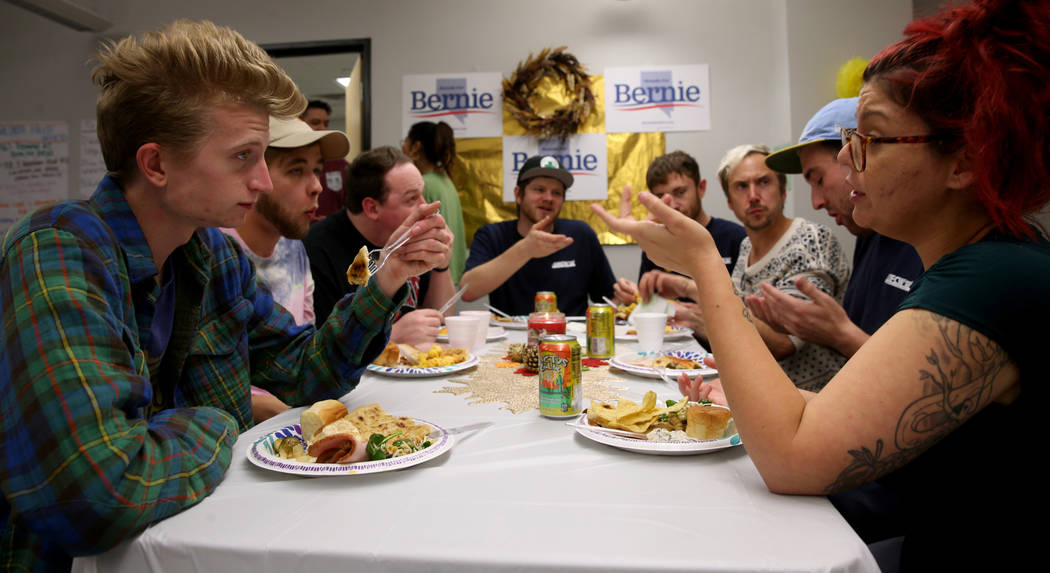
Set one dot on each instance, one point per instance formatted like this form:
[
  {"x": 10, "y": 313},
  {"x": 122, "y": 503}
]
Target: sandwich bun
[
  {"x": 320, "y": 415},
  {"x": 706, "y": 422}
]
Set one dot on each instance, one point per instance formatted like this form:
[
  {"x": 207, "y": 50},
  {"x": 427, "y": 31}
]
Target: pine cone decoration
[{"x": 531, "y": 358}]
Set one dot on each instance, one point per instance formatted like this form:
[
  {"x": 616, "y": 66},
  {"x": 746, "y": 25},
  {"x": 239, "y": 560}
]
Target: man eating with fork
[{"x": 383, "y": 189}]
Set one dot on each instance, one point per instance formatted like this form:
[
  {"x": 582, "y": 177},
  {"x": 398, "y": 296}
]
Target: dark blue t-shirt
[
  {"x": 573, "y": 273},
  {"x": 884, "y": 270}
]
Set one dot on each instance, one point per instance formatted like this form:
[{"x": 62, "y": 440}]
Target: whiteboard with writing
[{"x": 34, "y": 167}]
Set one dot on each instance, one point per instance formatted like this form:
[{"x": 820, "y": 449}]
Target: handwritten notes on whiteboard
[{"x": 34, "y": 167}]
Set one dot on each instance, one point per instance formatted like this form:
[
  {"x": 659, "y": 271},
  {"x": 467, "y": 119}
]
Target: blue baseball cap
[{"x": 823, "y": 126}]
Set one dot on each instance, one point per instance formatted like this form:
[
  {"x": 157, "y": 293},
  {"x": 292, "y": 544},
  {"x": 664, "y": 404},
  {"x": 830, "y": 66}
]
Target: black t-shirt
[
  {"x": 976, "y": 484},
  {"x": 573, "y": 273},
  {"x": 332, "y": 245}
]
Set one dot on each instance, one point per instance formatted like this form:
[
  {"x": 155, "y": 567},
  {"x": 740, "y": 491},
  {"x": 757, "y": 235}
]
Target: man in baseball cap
[
  {"x": 883, "y": 268},
  {"x": 271, "y": 232},
  {"x": 510, "y": 261}
]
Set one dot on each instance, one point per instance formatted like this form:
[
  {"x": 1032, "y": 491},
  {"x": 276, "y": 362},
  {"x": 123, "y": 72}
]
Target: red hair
[{"x": 978, "y": 74}]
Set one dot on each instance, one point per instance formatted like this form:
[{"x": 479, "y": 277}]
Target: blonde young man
[
  {"x": 131, "y": 329},
  {"x": 271, "y": 232}
]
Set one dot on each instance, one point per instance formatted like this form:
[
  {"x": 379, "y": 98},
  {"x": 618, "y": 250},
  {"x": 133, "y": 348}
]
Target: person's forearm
[
  {"x": 441, "y": 289},
  {"x": 849, "y": 339},
  {"x": 766, "y": 404},
  {"x": 779, "y": 344},
  {"x": 487, "y": 277}
]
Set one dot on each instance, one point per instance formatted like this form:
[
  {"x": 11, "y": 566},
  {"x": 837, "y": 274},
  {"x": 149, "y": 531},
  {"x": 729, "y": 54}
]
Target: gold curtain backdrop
[{"x": 478, "y": 170}]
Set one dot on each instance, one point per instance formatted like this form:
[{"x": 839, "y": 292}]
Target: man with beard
[
  {"x": 676, "y": 175},
  {"x": 778, "y": 251},
  {"x": 512, "y": 260},
  {"x": 271, "y": 232}
]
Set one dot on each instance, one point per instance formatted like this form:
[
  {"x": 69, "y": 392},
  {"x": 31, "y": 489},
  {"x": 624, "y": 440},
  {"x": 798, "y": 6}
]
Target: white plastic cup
[
  {"x": 483, "y": 326},
  {"x": 650, "y": 327},
  {"x": 462, "y": 331}
]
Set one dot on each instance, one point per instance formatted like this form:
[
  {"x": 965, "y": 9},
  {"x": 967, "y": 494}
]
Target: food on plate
[
  {"x": 634, "y": 332},
  {"x": 623, "y": 312},
  {"x": 706, "y": 422},
  {"x": 625, "y": 415},
  {"x": 675, "y": 363},
  {"x": 693, "y": 420},
  {"x": 398, "y": 435},
  {"x": 499, "y": 318},
  {"x": 395, "y": 355},
  {"x": 333, "y": 435},
  {"x": 357, "y": 273},
  {"x": 329, "y": 436}
]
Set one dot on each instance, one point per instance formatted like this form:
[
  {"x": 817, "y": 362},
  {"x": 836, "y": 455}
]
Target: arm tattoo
[
  {"x": 958, "y": 382},
  {"x": 747, "y": 314}
]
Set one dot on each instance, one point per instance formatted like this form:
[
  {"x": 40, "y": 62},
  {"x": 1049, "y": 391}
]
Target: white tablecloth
[{"x": 522, "y": 494}]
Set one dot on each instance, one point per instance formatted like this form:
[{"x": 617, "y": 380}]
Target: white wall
[{"x": 772, "y": 62}]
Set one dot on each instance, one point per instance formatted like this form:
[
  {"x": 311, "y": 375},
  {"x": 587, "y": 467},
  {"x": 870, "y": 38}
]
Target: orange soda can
[
  {"x": 546, "y": 301},
  {"x": 560, "y": 384}
]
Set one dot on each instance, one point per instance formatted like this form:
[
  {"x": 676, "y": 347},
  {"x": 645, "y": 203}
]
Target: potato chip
[{"x": 627, "y": 415}]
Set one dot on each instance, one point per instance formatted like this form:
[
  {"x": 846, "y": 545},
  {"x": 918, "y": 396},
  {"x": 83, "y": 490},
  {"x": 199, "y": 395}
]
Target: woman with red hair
[{"x": 941, "y": 405}]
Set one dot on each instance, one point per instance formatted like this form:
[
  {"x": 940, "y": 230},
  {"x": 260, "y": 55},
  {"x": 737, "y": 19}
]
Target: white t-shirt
[{"x": 286, "y": 274}]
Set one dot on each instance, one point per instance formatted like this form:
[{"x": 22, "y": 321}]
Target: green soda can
[{"x": 601, "y": 331}]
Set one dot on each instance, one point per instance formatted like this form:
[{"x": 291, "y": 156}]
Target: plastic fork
[{"x": 378, "y": 257}]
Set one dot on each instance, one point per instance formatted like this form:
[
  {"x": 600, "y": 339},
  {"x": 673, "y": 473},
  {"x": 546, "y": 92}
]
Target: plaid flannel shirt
[{"x": 94, "y": 449}]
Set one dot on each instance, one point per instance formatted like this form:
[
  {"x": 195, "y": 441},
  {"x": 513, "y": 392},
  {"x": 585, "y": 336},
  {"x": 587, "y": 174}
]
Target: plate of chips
[
  {"x": 650, "y": 427},
  {"x": 686, "y": 447}
]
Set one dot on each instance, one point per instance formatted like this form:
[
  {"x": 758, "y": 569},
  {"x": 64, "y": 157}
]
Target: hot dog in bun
[{"x": 330, "y": 436}]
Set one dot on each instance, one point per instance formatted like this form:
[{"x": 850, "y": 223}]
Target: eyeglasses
[{"x": 858, "y": 144}]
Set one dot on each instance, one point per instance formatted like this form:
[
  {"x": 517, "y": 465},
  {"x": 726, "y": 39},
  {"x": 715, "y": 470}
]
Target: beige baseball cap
[{"x": 292, "y": 133}]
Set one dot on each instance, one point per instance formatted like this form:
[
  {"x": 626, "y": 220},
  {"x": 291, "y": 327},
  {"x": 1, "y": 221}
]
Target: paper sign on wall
[
  {"x": 92, "y": 166},
  {"x": 472, "y": 104},
  {"x": 583, "y": 154},
  {"x": 34, "y": 167},
  {"x": 664, "y": 98}
]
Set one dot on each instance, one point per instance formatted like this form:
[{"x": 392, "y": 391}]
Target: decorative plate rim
[
  {"x": 408, "y": 372},
  {"x": 647, "y": 372},
  {"x": 653, "y": 447}
]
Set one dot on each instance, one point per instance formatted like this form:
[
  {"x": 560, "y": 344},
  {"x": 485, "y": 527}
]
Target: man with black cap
[
  {"x": 272, "y": 231},
  {"x": 512, "y": 260},
  {"x": 883, "y": 268}
]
